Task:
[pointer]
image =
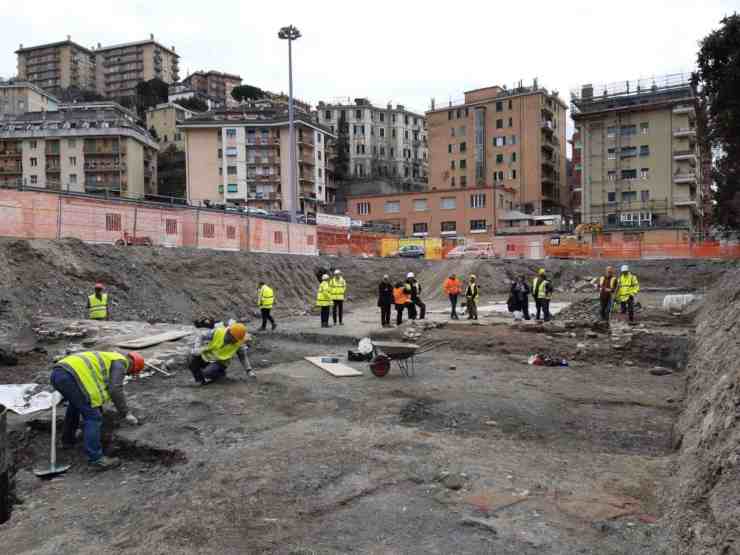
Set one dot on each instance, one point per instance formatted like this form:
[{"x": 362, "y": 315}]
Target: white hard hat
[
  {"x": 337, "y": 271},
  {"x": 625, "y": 268},
  {"x": 325, "y": 276},
  {"x": 410, "y": 275}
]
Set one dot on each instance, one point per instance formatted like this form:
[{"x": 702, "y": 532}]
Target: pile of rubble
[{"x": 417, "y": 328}]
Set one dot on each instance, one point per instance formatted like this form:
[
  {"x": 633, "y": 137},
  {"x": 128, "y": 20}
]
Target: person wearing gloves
[
  {"x": 265, "y": 300},
  {"x": 338, "y": 290},
  {"x": 416, "y": 296},
  {"x": 472, "y": 294},
  {"x": 402, "y": 299},
  {"x": 607, "y": 285},
  {"x": 385, "y": 300},
  {"x": 87, "y": 380},
  {"x": 214, "y": 350},
  {"x": 323, "y": 300},
  {"x": 542, "y": 293},
  {"x": 98, "y": 304},
  {"x": 627, "y": 287}
]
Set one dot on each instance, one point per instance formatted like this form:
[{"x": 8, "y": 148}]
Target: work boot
[
  {"x": 105, "y": 463},
  {"x": 251, "y": 375},
  {"x": 274, "y": 326}
]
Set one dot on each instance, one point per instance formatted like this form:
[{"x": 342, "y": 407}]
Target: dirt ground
[{"x": 479, "y": 452}]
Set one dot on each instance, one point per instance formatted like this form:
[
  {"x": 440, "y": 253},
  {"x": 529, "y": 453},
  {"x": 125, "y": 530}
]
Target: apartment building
[
  {"x": 214, "y": 84},
  {"x": 119, "y": 68},
  {"x": 639, "y": 153},
  {"x": 575, "y": 177},
  {"x": 57, "y": 65},
  {"x": 241, "y": 157},
  {"x": 388, "y": 142},
  {"x": 93, "y": 147},
  {"x": 164, "y": 119},
  {"x": 19, "y": 97},
  {"x": 500, "y": 137}
]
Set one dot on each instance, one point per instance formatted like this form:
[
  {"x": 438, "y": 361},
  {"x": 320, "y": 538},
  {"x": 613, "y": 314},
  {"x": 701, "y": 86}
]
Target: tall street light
[{"x": 291, "y": 33}]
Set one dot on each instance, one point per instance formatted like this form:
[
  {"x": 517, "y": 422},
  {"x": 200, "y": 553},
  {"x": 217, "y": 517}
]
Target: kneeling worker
[
  {"x": 87, "y": 380},
  {"x": 213, "y": 352}
]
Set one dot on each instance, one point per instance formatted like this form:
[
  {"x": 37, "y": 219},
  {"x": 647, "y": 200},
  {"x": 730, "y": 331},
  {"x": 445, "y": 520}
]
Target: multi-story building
[
  {"x": 501, "y": 137},
  {"x": 121, "y": 67},
  {"x": 164, "y": 119},
  {"x": 93, "y": 147},
  {"x": 640, "y": 154},
  {"x": 20, "y": 97},
  {"x": 215, "y": 84},
  {"x": 241, "y": 157},
  {"x": 575, "y": 177},
  {"x": 57, "y": 65},
  {"x": 382, "y": 142}
]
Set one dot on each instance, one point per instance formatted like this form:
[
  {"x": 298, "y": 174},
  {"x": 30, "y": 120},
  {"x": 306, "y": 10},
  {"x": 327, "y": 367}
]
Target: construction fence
[{"x": 638, "y": 250}]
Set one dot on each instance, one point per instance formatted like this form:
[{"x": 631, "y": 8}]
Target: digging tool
[
  {"x": 157, "y": 369},
  {"x": 54, "y": 468}
]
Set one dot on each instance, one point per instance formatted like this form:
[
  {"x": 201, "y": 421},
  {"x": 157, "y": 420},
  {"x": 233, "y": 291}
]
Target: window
[
  {"x": 644, "y": 150},
  {"x": 449, "y": 149},
  {"x": 452, "y": 181},
  {"x": 452, "y": 164},
  {"x": 382, "y": 118},
  {"x": 611, "y": 131},
  {"x": 611, "y": 175},
  {"x": 230, "y": 232},
  {"x": 513, "y": 174},
  {"x": 629, "y": 174},
  {"x": 393, "y": 133},
  {"x": 463, "y": 181},
  {"x": 513, "y": 156},
  {"x": 33, "y": 144},
  {"x": 611, "y": 196},
  {"x": 231, "y": 151},
  {"x": 513, "y": 139},
  {"x": 358, "y": 114},
  {"x": 448, "y": 203},
  {"x": 170, "y": 226},
  {"x": 461, "y": 131},
  {"x": 499, "y": 158},
  {"x": 478, "y": 200},
  {"x": 232, "y": 188},
  {"x": 463, "y": 164},
  {"x": 277, "y": 237},
  {"x": 629, "y": 196},
  {"x": 511, "y": 122},
  {"x": 72, "y": 143},
  {"x": 499, "y": 124},
  {"x": 645, "y": 173},
  {"x": 392, "y": 206},
  {"x": 34, "y": 179},
  {"x": 73, "y": 161},
  {"x": 382, "y": 131},
  {"x": 420, "y": 205},
  {"x": 499, "y": 141},
  {"x": 448, "y": 227},
  {"x": 510, "y": 104},
  {"x": 463, "y": 147},
  {"x": 230, "y": 132},
  {"x": 220, "y": 154},
  {"x": 220, "y": 170},
  {"x": 34, "y": 162},
  {"x": 382, "y": 151},
  {"x": 478, "y": 225},
  {"x": 363, "y": 208},
  {"x": 644, "y": 195},
  {"x": 628, "y": 152},
  {"x": 230, "y": 170},
  {"x": 73, "y": 179},
  {"x": 452, "y": 131},
  {"x": 644, "y": 128},
  {"x": 113, "y": 222},
  {"x": 421, "y": 228},
  {"x": 612, "y": 154},
  {"x": 627, "y": 130},
  {"x": 500, "y": 106},
  {"x": 406, "y": 134},
  {"x": 221, "y": 189}
]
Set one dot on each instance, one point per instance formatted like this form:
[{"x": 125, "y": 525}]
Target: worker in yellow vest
[
  {"x": 627, "y": 287},
  {"x": 265, "y": 300},
  {"x": 213, "y": 352},
  {"x": 87, "y": 380},
  {"x": 337, "y": 290},
  {"x": 323, "y": 300},
  {"x": 542, "y": 293},
  {"x": 97, "y": 304}
]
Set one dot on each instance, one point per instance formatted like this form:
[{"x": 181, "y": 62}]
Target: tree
[
  {"x": 76, "y": 94},
  {"x": 247, "y": 92},
  {"x": 193, "y": 103},
  {"x": 150, "y": 93},
  {"x": 717, "y": 81},
  {"x": 171, "y": 172}
]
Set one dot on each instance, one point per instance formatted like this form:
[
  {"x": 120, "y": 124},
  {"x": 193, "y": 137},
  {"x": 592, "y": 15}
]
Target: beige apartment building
[
  {"x": 19, "y": 97},
  {"x": 121, "y": 67},
  {"x": 639, "y": 153},
  {"x": 499, "y": 137},
  {"x": 93, "y": 147},
  {"x": 214, "y": 84},
  {"x": 388, "y": 141},
  {"x": 242, "y": 158},
  {"x": 164, "y": 119},
  {"x": 57, "y": 65}
]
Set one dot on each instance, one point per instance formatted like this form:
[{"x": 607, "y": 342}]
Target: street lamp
[{"x": 291, "y": 33}]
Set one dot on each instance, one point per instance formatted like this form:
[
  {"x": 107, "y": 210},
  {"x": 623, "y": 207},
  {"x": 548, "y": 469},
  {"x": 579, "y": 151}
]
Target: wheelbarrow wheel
[{"x": 380, "y": 366}]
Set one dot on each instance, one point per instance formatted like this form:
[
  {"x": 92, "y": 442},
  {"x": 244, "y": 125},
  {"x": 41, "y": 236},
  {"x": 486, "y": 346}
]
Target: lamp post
[{"x": 291, "y": 33}]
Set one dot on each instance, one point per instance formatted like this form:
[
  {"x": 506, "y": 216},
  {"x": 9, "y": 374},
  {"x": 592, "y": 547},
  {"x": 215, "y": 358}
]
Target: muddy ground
[{"x": 479, "y": 452}]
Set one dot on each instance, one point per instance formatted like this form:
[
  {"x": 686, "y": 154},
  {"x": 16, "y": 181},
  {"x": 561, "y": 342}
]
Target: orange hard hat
[
  {"x": 137, "y": 362},
  {"x": 238, "y": 331}
]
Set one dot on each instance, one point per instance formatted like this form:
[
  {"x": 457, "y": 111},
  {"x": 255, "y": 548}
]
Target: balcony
[
  {"x": 685, "y": 178},
  {"x": 690, "y": 110},
  {"x": 53, "y": 169},
  {"x": 687, "y": 155},
  {"x": 548, "y": 163},
  {"x": 547, "y": 126},
  {"x": 306, "y": 177},
  {"x": 686, "y": 201},
  {"x": 685, "y": 132},
  {"x": 11, "y": 170}
]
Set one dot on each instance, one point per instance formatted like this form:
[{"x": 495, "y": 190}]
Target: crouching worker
[
  {"x": 87, "y": 380},
  {"x": 212, "y": 353}
]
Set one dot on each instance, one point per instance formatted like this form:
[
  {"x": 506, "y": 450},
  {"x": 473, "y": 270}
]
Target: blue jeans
[{"x": 78, "y": 405}]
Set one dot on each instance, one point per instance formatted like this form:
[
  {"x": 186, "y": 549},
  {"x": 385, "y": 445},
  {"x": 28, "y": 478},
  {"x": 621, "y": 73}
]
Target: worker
[
  {"x": 265, "y": 300},
  {"x": 97, "y": 304},
  {"x": 472, "y": 294},
  {"x": 416, "y": 296},
  {"x": 452, "y": 287},
  {"x": 323, "y": 300},
  {"x": 607, "y": 286},
  {"x": 520, "y": 296},
  {"x": 627, "y": 287},
  {"x": 214, "y": 350},
  {"x": 542, "y": 293},
  {"x": 402, "y": 299},
  {"x": 337, "y": 290},
  {"x": 87, "y": 380},
  {"x": 385, "y": 300}
]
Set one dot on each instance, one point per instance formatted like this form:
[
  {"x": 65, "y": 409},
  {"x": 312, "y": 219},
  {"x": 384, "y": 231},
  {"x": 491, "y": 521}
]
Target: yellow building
[
  {"x": 57, "y": 65},
  {"x": 164, "y": 119}
]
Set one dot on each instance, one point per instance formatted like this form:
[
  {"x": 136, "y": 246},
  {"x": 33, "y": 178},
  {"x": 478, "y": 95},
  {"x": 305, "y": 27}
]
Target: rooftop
[
  {"x": 365, "y": 103},
  {"x": 138, "y": 43},
  {"x": 213, "y": 72},
  {"x": 497, "y": 92},
  {"x": 67, "y": 42},
  {"x": 27, "y": 85},
  {"x": 235, "y": 117}
]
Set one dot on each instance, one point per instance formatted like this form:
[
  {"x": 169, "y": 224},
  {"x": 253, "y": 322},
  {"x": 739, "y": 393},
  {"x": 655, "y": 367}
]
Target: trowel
[{"x": 54, "y": 469}]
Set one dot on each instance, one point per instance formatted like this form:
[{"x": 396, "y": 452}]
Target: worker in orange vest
[
  {"x": 402, "y": 299},
  {"x": 452, "y": 287}
]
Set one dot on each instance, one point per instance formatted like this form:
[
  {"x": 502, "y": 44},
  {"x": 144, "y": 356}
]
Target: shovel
[{"x": 54, "y": 468}]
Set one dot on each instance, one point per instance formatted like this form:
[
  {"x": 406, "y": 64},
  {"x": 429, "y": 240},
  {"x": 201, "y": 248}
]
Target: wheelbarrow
[{"x": 403, "y": 354}]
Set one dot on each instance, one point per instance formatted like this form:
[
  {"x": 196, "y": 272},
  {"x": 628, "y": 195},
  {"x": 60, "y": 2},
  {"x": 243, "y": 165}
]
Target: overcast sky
[{"x": 400, "y": 51}]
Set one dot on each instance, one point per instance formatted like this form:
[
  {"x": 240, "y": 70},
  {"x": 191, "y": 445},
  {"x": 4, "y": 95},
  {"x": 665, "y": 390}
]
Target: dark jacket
[
  {"x": 519, "y": 295},
  {"x": 385, "y": 294},
  {"x": 415, "y": 288}
]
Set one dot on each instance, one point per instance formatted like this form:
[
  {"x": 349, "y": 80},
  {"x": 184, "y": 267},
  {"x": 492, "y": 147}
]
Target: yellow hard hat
[
  {"x": 541, "y": 271},
  {"x": 238, "y": 331}
]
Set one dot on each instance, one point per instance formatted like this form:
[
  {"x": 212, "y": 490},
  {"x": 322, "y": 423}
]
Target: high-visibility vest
[
  {"x": 267, "y": 297},
  {"x": 452, "y": 286},
  {"x": 611, "y": 284},
  {"x": 219, "y": 351},
  {"x": 92, "y": 371},
  {"x": 629, "y": 286},
  {"x": 539, "y": 288},
  {"x": 337, "y": 287},
  {"x": 98, "y": 309},
  {"x": 323, "y": 296},
  {"x": 473, "y": 292},
  {"x": 401, "y": 296}
]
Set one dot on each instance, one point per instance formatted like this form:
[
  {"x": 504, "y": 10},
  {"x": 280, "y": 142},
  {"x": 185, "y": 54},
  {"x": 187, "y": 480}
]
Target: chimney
[
  {"x": 432, "y": 104},
  {"x": 98, "y": 45},
  {"x": 587, "y": 91},
  {"x": 151, "y": 36},
  {"x": 69, "y": 37}
]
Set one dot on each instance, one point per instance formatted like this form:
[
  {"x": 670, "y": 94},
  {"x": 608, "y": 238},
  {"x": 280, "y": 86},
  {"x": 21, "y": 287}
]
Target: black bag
[{"x": 355, "y": 356}]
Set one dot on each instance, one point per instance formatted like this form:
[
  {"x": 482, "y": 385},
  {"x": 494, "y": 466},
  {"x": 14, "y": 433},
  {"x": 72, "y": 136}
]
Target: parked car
[
  {"x": 258, "y": 212},
  {"x": 411, "y": 251},
  {"x": 473, "y": 250}
]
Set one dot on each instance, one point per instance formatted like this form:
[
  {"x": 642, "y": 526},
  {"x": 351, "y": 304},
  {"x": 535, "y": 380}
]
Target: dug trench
[{"x": 480, "y": 452}]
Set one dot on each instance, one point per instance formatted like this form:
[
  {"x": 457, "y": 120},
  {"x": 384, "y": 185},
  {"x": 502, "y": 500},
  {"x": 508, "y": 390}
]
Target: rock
[
  {"x": 482, "y": 523},
  {"x": 8, "y": 357},
  {"x": 453, "y": 481},
  {"x": 581, "y": 346},
  {"x": 660, "y": 371},
  {"x": 89, "y": 342},
  {"x": 453, "y": 367},
  {"x": 592, "y": 334},
  {"x": 629, "y": 363}
]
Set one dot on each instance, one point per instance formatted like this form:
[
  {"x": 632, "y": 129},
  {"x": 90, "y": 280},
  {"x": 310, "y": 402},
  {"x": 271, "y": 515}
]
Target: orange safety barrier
[
  {"x": 346, "y": 242},
  {"x": 635, "y": 250}
]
